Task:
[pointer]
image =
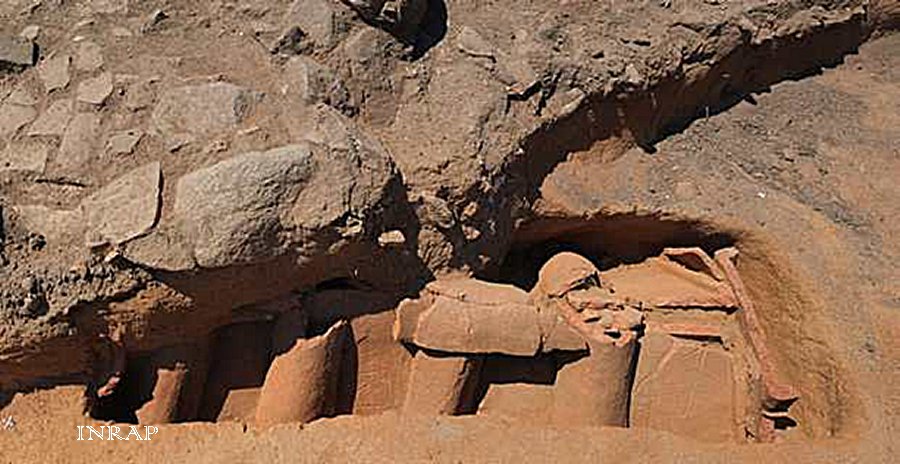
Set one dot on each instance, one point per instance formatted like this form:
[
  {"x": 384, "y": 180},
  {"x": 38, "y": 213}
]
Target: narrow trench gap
[
  {"x": 240, "y": 357},
  {"x": 632, "y": 377},
  {"x": 134, "y": 390}
]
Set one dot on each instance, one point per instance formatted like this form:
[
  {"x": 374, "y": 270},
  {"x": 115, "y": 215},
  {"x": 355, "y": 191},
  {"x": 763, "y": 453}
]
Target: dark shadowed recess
[
  {"x": 607, "y": 241},
  {"x": 432, "y": 30}
]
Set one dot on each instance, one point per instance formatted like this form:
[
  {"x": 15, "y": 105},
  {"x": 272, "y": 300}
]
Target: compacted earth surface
[{"x": 451, "y": 231}]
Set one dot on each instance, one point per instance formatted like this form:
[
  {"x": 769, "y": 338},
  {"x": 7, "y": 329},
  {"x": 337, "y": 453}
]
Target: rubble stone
[
  {"x": 232, "y": 211},
  {"x": 54, "y": 72},
  {"x": 95, "y": 91},
  {"x": 88, "y": 57},
  {"x": 24, "y": 156},
  {"x": 16, "y": 52},
  {"x": 54, "y": 120},
  {"x": 77, "y": 147},
  {"x": 14, "y": 117}
]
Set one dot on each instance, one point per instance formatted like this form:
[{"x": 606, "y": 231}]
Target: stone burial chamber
[{"x": 670, "y": 343}]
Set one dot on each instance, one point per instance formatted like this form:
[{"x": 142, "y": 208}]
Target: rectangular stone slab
[
  {"x": 382, "y": 365},
  {"x": 454, "y": 326},
  {"x": 441, "y": 385},
  {"x": 301, "y": 384},
  {"x": 595, "y": 390},
  {"x": 685, "y": 387}
]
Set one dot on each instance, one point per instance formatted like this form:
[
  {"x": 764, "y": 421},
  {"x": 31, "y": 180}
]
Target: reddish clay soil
[{"x": 448, "y": 231}]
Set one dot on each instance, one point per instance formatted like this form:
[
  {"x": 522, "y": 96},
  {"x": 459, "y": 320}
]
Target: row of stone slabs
[{"x": 661, "y": 344}]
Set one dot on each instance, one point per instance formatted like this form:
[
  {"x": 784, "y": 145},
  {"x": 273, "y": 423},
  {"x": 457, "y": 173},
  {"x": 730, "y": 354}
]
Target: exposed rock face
[
  {"x": 309, "y": 82},
  {"x": 402, "y": 17},
  {"x": 316, "y": 21}
]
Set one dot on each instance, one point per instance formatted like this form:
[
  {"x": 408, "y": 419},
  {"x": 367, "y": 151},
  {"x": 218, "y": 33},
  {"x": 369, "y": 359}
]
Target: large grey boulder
[
  {"x": 300, "y": 199},
  {"x": 234, "y": 211}
]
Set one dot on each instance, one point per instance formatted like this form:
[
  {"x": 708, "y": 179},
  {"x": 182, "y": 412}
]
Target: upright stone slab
[
  {"x": 685, "y": 387},
  {"x": 382, "y": 365},
  {"x": 302, "y": 382},
  {"x": 595, "y": 390},
  {"x": 441, "y": 385}
]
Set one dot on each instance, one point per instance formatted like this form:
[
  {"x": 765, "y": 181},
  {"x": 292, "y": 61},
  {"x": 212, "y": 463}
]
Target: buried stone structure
[
  {"x": 671, "y": 343},
  {"x": 664, "y": 344}
]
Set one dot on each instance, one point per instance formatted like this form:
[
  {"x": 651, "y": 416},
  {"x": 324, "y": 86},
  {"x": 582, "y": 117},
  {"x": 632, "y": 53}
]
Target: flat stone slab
[
  {"x": 666, "y": 283},
  {"x": 472, "y": 316},
  {"x": 124, "y": 209},
  {"x": 14, "y": 117},
  {"x": 685, "y": 387},
  {"x": 24, "y": 156},
  {"x": 201, "y": 109},
  {"x": 95, "y": 91},
  {"x": 54, "y": 120},
  {"x": 54, "y": 72}
]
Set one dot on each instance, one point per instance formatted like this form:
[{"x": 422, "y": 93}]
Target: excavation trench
[
  {"x": 336, "y": 349},
  {"x": 787, "y": 314},
  {"x": 694, "y": 365}
]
